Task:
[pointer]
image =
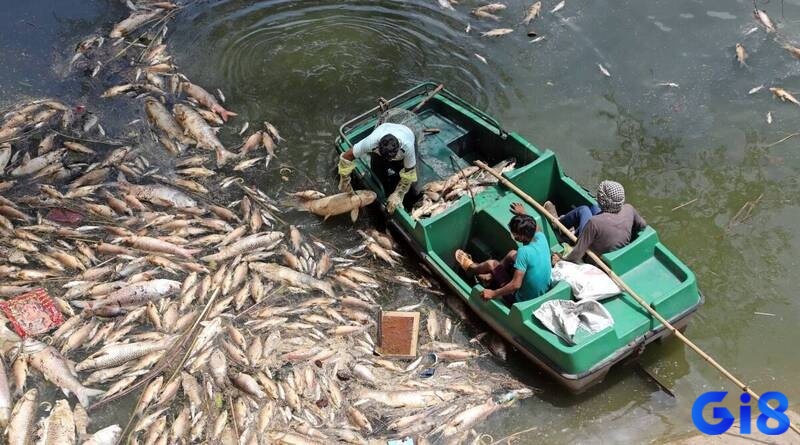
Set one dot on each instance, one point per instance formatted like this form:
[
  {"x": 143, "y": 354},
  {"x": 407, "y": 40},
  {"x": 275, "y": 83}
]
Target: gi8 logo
[{"x": 726, "y": 419}]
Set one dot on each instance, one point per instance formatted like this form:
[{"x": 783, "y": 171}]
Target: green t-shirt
[{"x": 534, "y": 259}]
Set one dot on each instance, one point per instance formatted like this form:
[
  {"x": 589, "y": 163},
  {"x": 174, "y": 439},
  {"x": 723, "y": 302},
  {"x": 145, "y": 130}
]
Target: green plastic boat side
[{"x": 479, "y": 225}]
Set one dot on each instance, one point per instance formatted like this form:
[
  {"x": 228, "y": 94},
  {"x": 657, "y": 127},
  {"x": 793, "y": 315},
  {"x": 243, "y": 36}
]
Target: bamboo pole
[{"x": 616, "y": 278}]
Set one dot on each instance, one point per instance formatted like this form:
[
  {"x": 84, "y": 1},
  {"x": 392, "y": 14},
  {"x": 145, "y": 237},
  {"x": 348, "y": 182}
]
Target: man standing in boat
[
  {"x": 602, "y": 229},
  {"x": 523, "y": 274},
  {"x": 393, "y": 147}
]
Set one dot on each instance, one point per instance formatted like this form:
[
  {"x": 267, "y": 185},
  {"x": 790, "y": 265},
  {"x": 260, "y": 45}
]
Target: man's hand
[
  {"x": 344, "y": 184},
  {"x": 395, "y": 200},
  {"x": 555, "y": 258},
  {"x": 488, "y": 294},
  {"x": 517, "y": 208}
]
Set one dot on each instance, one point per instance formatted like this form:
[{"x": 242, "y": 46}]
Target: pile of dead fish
[
  {"x": 438, "y": 196},
  {"x": 228, "y": 324}
]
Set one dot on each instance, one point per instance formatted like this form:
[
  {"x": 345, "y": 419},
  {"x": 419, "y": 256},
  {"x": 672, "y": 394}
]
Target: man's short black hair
[
  {"x": 388, "y": 146},
  {"x": 523, "y": 225}
]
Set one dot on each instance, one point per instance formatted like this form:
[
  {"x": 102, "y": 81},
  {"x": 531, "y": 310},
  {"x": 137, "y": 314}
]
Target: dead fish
[
  {"x": 206, "y": 99},
  {"x": 668, "y": 84},
  {"x": 445, "y": 4},
  {"x": 603, "y": 70},
  {"x": 497, "y": 32},
  {"x": 793, "y": 50},
  {"x": 55, "y": 368},
  {"x": 485, "y": 15},
  {"x": 741, "y": 54},
  {"x": 762, "y": 18},
  {"x": 339, "y": 204},
  {"x": 244, "y": 165},
  {"x": 35, "y": 164},
  {"x": 784, "y": 95},
  {"x": 131, "y": 295},
  {"x": 107, "y": 436},
  {"x": 157, "y": 245},
  {"x": 755, "y": 90},
  {"x": 5, "y": 397},
  {"x": 533, "y": 11},
  {"x": 20, "y": 427},
  {"x": 273, "y": 131},
  {"x": 161, "y": 118},
  {"x": 198, "y": 129},
  {"x": 433, "y": 325},
  {"x": 158, "y": 194},
  {"x": 481, "y": 58},
  {"x": 245, "y": 244},
  {"x": 133, "y": 22},
  {"x": 769, "y": 117},
  {"x": 558, "y": 7},
  {"x": 291, "y": 277},
  {"x": 59, "y": 427}
]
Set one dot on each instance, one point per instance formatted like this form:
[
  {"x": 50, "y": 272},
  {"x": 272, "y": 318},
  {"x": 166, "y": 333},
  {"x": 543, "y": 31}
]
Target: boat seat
[{"x": 524, "y": 310}]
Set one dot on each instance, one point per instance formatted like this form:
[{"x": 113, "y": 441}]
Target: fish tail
[
  {"x": 85, "y": 394},
  {"x": 223, "y": 113},
  {"x": 223, "y": 156}
]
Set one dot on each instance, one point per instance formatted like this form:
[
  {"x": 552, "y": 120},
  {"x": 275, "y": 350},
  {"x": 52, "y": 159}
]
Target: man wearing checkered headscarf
[
  {"x": 610, "y": 225},
  {"x": 610, "y": 196}
]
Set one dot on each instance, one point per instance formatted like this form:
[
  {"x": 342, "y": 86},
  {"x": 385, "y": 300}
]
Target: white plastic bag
[
  {"x": 587, "y": 281},
  {"x": 564, "y": 317}
]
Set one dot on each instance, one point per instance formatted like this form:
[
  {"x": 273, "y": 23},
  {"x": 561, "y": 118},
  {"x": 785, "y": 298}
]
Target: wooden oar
[
  {"x": 430, "y": 95},
  {"x": 602, "y": 265}
]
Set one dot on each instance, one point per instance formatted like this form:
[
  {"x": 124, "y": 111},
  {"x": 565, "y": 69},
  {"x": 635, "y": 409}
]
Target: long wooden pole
[{"x": 602, "y": 265}]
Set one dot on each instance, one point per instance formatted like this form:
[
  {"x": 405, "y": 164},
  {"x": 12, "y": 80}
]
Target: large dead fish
[
  {"x": 34, "y": 165},
  {"x": 277, "y": 272},
  {"x": 134, "y": 294},
  {"x": 59, "y": 427},
  {"x": 161, "y": 118},
  {"x": 20, "y": 428},
  {"x": 158, "y": 194},
  {"x": 206, "y": 99},
  {"x": 197, "y": 127},
  {"x": 339, "y": 204},
  {"x": 246, "y": 244},
  {"x": 133, "y": 22},
  {"x": 156, "y": 245},
  {"x": 56, "y": 369}
]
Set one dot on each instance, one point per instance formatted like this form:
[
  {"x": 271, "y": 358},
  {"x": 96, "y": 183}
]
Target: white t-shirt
[{"x": 404, "y": 136}]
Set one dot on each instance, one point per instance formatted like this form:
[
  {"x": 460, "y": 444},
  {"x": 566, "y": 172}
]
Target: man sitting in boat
[
  {"x": 392, "y": 146},
  {"x": 603, "y": 229},
  {"x": 522, "y": 274}
]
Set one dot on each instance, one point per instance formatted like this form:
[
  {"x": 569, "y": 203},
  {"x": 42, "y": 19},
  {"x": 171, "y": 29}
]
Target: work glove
[
  {"x": 345, "y": 168},
  {"x": 407, "y": 178}
]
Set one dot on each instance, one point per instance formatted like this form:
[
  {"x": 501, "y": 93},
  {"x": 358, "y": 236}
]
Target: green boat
[{"x": 479, "y": 225}]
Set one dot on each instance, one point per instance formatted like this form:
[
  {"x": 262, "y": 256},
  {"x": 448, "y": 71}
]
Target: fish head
[{"x": 366, "y": 197}]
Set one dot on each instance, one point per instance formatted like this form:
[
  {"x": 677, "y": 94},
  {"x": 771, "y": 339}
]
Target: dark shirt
[{"x": 606, "y": 232}]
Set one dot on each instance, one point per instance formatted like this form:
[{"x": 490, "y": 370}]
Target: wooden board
[{"x": 398, "y": 333}]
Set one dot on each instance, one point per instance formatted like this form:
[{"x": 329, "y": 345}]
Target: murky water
[{"x": 309, "y": 65}]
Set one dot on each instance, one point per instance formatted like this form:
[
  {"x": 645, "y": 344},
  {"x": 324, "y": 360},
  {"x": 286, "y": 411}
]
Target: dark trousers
[
  {"x": 578, "y": 217},
  {"x": 388, "y": 172}
]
